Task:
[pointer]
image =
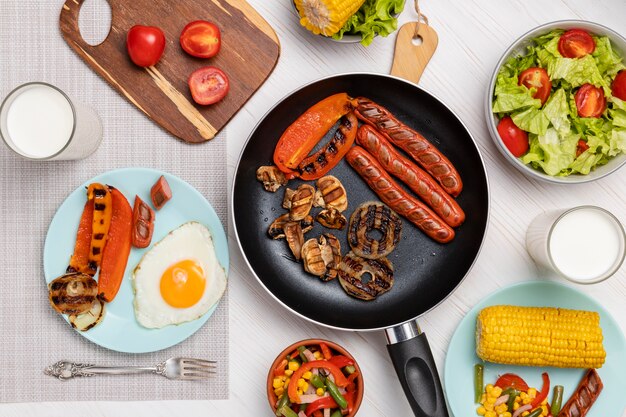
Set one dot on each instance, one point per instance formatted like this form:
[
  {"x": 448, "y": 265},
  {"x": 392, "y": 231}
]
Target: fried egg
[{"x": 178, "y": 279}]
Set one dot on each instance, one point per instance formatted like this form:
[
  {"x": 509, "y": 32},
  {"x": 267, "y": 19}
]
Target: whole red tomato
[
  {"x": 145, "y": 45},
  {"x": 514, "y": 138}
]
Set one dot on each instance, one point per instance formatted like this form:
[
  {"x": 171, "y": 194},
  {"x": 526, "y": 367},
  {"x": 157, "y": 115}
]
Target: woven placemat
[{"x": 32, "y": 334}]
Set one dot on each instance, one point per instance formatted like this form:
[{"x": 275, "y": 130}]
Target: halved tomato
[
  {"x": 201, "y": 39},
  {"x": 208, "y": 85},
  {"x": 590, "y": 101},
  {"x": 581, "y": 147},
  {"x": 514, "y": 138},
  {"x": 576, "y": 43},
  {"x": 538, "y": 79},
  {"x": 511, "y": 381},
  {"x": 619, "y": 85}
]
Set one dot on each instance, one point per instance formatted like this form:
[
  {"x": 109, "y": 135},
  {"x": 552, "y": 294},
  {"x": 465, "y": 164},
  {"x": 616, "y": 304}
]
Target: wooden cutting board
[{"x": 250, "y": 49}]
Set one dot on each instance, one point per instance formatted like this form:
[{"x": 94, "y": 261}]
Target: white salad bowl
[{"x": 519, "y": 47}]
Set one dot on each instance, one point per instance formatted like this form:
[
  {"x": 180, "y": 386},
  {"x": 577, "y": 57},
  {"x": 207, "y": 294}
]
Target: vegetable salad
[
  {"x": 315, "y": 381},
  {"x": 562, "y": 97}
]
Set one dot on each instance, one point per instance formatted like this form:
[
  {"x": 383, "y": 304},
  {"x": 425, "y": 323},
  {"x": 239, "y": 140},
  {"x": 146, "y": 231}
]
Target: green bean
[
  {"x": 478, "y": 382},
  {"x": 282, "y": 402},
  {"x": 337, "y": 413},
  {"x": 287, "y": 412},
  {"x": 350, "y": 369},
  {"x": 536, "y": 413},
  {"x": 317, "y": 381},
  {"x": 334, "y": 392},
  {"x": 301, "y": 349},
  {"x": 557, "y": 399},
  {"x": 512, "y": 393}
]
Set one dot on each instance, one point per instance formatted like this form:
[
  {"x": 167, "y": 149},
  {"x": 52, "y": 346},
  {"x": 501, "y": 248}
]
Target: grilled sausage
[
  {"x": 415, "y": 178},
  {"x": 396, "y": 198},
  {"x": 413, "y": 143},
  {"x": 585, "y": 395}
]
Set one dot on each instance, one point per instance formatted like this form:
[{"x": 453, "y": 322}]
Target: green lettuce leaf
[
  {"x": 375, "y": 17},
  {"x": 557, "y": 111},
  {"x": 607, "y": 60},
  {"x": 577, "y": 71},
  {"x": 617, "y": 142},
  {"x": 556, "y": 153},
  {"x": 531, "y": 120}
]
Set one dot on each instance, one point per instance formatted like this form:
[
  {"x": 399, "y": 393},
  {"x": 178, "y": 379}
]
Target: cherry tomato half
[
  {"x": 590, "y": 101},
  {"x": 201, "y": 39},
  {"x": 538, "y": 79},
  {"x": 145, "y": 45},
  {"x": 576, "y": 43},
  {"x": 208, "y": 85},
  {"x": 514, "y": 138},
  {"x": 619, "y": 85},
  {"x": 581, "y": 147},
  {"x": 511, "y": 381}
]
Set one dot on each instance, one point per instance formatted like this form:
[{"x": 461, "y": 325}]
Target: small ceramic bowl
[
  {"x": 519, "y": 48},
  {"x": 272, "y": 398}
]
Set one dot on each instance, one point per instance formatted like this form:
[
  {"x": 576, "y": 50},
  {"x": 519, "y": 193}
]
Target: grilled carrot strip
[{"x": 117, "y": 249}]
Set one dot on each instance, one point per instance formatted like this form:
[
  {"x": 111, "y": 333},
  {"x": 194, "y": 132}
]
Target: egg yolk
[{"x": 182, "y": 284}]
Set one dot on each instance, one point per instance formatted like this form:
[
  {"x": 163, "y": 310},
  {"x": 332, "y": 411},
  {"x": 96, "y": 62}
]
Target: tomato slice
[
  {"x": 576, "y": 43},
  {"x": 511, "y": 381},
  {"x": 208, "y": 85},
  {"x": 619, "y": 85},
  {"x": 581, "y": 147},
  {"x": 538, "y": 79},
  {"x": 201, "y": 39},
  {"x": 145, "y": 45},
  {"x": 514, "y": 138},
  {"x": 590, "y": 101}
]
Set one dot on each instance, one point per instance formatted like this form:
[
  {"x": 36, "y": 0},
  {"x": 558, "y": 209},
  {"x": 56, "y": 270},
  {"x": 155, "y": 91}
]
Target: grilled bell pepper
[
  {"x": 309, "y": 128},
  {"x": 292, "y": 390},
  {"x": 102, "y": 213},
  {"x": 79, "y": 262}
]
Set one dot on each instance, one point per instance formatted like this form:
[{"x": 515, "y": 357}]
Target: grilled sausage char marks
[
  {"x": 396, "y": 198},
  {"x": 415, "y": 178},
  {"x": 413, "y": 143},
  {"x": 585, "y": 395}
]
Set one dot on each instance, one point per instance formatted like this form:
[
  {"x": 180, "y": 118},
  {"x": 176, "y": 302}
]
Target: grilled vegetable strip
[
  {"x": 577, "y": 334},
  {"x": 415, "y": 178},
  {"x": 302, "y": 135},
  {"x": 478, "y": 382},
  {"x": 413, "y": 143},
  {"x": 79, "y": 262},
  {"x": 117, "y": 249},
  {"x": 585, "y": 395},
  {"x": 102, "y": 212},
  {"x": 557, "y": 400},
  {"x": 322, "y": 161}
]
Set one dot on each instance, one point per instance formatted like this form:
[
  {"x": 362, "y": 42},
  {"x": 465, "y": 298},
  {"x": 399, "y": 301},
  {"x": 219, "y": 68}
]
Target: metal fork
[{"x": 173, "y": 368}]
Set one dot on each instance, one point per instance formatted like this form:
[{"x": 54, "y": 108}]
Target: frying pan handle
[{"x": 415, "y": 366}]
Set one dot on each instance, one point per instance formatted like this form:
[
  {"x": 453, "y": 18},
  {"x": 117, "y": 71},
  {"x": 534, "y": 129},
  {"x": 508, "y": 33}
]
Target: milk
[
  {"x": 39, "y": 121},
  {"x": 586, "y": 244}
]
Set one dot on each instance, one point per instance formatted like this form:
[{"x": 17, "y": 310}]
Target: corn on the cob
[
  {"x": 540, "y": 336},
  {"x": 326, "y": 17}
]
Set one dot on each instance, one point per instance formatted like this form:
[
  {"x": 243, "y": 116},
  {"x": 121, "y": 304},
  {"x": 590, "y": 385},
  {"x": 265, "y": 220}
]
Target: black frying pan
[{"x": 426, "y": 272}]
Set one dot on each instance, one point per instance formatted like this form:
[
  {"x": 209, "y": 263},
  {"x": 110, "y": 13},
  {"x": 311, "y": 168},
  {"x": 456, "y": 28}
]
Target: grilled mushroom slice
[
  {"x": 88, "y": 319},
  {"x": 72, "y": 293},
  {"x": 271, "y": 177},
  {"x": 332, "y": 192},
  {"x": 301, "y": 202},
  {"x": 276, "y": 230},
  {"x": 332, "y": 218},
  {"x": 295, "y": 238},
  {"x": 322, "y": 257},
  {"x": 286, "y": 204},
  {"x": 353, "y": 269}
]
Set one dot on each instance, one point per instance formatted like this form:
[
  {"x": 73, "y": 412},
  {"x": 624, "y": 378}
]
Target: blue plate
[
  {"x": 461, "y": 357},
  {"x": 119, "y": 330}
]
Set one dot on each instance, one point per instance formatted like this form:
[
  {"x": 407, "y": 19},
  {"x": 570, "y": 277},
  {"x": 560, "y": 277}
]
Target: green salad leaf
[
  {"x": 375, "y": 17},
  {"x": 555, "y": 129}
]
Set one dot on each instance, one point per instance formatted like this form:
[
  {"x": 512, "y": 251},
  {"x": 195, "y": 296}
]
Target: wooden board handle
[
  {"x": 410, "y": 60},
  {"x": 69, "y": 21}
]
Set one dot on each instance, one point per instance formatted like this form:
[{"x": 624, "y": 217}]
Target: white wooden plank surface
[{"x": 472, "y": 36}]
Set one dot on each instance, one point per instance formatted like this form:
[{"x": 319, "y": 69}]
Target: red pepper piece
[
  {"x": 79, "y": 262},
  {"x": 544, "y": 391},
  {"x": 341, "y": 361},
  {"x": 292, "y": 390},
  {"x": 326, "y": 351},
  {"x": 324, "y": 402}
]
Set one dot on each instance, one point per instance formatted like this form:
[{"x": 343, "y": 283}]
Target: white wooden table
[{"x": 472, "y": 36}]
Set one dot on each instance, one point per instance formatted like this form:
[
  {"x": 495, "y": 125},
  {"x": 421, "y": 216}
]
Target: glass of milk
[
  {"x": 40, "y": 122},
  {"x": 585, "y": 244}
]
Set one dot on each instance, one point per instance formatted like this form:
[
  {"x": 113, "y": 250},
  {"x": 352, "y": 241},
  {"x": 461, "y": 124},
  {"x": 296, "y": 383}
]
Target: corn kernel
[
  {"x": 319, "y": 391},
  {"x": 523, "y": 395},
  {"x": 518, "y": 399},
  {"x": 279, "y": 391},
  {"x": 305, "y": 386},
  {"x": 293, "y": 365},
  {"x": 483, "y": 398},
  {"x": 490, "y": 414},
  {"x": 505, "y": 414},
  {"x": 544, "y": 410},
  {"x": 501, "y": 408},
  {"x": 286, "y": 384},
  {"x": 481, "y": 411},
  {"x": 277, "y": 382},
  {"x": 525, "y": 413},
  {"x": 491, "y": 400},
  {"x": 488, "y": 388},
  {"x": 532, "y": 393},
  {"x": 516, "y": 405},
  {"x": 526, "y": 401},
  {"x": 307, "y": 375},
  {"x": 288, "y": 372},
  {"x": 317, "y": 354},
  {"x": 301, "y": 382},
  {"x": 300, "y": 392},
  {"x": 497, "y": 391}
]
